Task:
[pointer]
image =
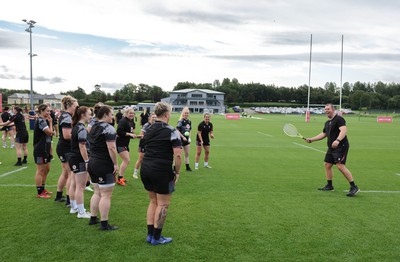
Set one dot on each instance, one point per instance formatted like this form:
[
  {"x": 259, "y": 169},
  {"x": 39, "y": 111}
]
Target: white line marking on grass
[
  {"x": 9, "y": 173},
  {"x": 377, "y": 191},
  {"x": 23, "y": 185},
  {"x": 264, "y": 134},
  {"x": 397, "y": 174},
  {"x": 297, "y": 144}
]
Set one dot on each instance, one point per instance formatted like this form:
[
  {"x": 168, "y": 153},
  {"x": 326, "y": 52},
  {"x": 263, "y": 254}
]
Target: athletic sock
[
  {"x": 73, "y": 204},
  {"x": 205, "y": 163},
  {"x": 104, "y": 223},
  {"x": 329, "y": 182},
  {"x": 81, "y": 208},
  {"x": 59, "y": 194},
  {"x": 19, "y": 160},
  {"x": 40, "y": 189},
  {"x": 157, "y": 233},
  {"x": 68, "y": 202},
  {"x": 150, "y": 229},
  {"x": 135, "y": 172},
  {"x": 196, "y": 164},
  {"x": 352, "y": 184},
  {"x": 25, "y": 158},
  {"x": 187, "y": 166}
]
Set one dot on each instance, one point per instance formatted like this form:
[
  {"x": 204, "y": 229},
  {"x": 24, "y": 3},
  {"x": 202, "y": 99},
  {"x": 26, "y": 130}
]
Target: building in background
[
  {"x": 198, "y": 100},
  {"x": 24, "y": 99}
]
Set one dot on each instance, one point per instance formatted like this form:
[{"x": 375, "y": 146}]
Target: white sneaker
[
  {"x": 4, "y": 146},
  {"x": 207, "y": 166},
  {"x": 196, "y": 168},
  {"x": 88, "y": 188},
  {"x": 83, "y": 215},
  {"x": 135, "y": 176},
  {"x": 12, "y": 146},
  {"x": 73, "y": 211}
]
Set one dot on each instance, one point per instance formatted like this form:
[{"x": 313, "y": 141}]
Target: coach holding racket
[{"x": 338, "y": 146}]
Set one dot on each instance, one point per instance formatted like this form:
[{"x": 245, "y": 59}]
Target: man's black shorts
[
  {"x": 338, "y": 155},
  {"x": 157, "y": 177},
  {"x": 41, "y": 158}
]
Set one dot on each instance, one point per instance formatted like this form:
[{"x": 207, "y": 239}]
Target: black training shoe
[
  {"x": 94, "y": 222},
  {"x": 60, "y": 199},
  {"x": 24, "y": 162},
  {"x": 188, "y": 169},
  {"x": 109, "y": 227},
  {"x": 353, "y": 191},
  {"x": 327, "y": 188},
  {"x": 18, "y": 164}
]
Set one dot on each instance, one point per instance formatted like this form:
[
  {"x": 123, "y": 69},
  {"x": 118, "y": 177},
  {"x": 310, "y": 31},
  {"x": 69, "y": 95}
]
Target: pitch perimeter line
[
  {"x": 9, "y": 173},
  {"x": 23, "y": 185},
  {"x": 397, "y": 174},
  {"x": 264, "y": 134},
  {"x": 297, "y": 144},
  {"x": 377, "y": 191}
]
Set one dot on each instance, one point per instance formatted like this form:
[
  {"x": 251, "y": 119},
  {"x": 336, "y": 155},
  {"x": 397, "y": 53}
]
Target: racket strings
[{"x": 290, "y": 130}]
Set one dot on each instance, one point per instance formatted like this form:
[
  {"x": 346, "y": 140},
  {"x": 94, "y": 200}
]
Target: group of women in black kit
[{"x": 21, "y": 136}]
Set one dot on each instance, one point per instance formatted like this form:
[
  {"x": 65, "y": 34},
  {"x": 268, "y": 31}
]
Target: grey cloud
[
  {"x": 7, "y": 76},
  {"x": 111, "y": 87},
  {"x": 321, "y": 57},
  {"x": 10, "y": 40},
  {"x": 56, "y": 80}
]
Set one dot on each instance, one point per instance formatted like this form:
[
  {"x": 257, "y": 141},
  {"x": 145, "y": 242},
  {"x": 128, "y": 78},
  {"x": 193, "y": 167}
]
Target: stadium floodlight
[{"x": 30, "y": 24}]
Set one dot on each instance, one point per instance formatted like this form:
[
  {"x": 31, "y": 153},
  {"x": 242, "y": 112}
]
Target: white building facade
[{"x": 197, "y": 100}]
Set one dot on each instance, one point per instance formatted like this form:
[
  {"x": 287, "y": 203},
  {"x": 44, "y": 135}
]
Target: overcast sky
[{"x": 112, "y": 43}]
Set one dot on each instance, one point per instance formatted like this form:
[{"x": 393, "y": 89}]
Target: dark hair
[
  {"x": 79, "y": 111},
  {"x": 104, "y": 110},
  {"x": 41, "y": 108},
  {"x": 96, "y": 108},
  {"x": 6, "y": 108},
  {"x": 18, "y": 109},
  {"x": 331, "y": 105}
]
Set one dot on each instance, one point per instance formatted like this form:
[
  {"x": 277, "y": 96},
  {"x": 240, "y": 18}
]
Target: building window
[
  {"x": 193, "y": 103},
  {"x": 201, "y": 103},
  {"x": 197, "y": 95}
]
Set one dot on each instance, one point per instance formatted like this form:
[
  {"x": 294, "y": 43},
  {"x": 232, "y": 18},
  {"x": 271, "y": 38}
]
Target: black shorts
[
  {"x": 77, "y": 164},
  {"x": 185, "y": 143},
  {"x": 101, "y": 172},
  {"x": 22, "y": 137},
  {"x": 122, "y": 149},
  {"x": 205, "y": 143},
  {"x": 157, "y": 177},
  {"x": 41, "y": 158},
  {"x": 6, "y": 128},
  {"x": 338, "y": 155},
  {"x": 63, "y": 153}
]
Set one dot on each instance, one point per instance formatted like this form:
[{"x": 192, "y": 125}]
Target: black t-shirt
[
  {"x": 78, "y": 136},
  {"x": 205, "y": 130},
  {"x": 64, "y": 122},
  {"x": 331, "y": 129},
  {"x": 144, "y": 118},
  {"x": 125, "y": 125},
  {"x": 41, "y": 141},
  {"x": 5, "y": 116},
  {"x": 159, "y": 141},
  {"x": 118, "y": 116},
  {"x": 184, "y": 125},
  {"x": 53, "y": 116},
  {"x": 19, "y": 121},
  {"x": 101, "y": 133}
]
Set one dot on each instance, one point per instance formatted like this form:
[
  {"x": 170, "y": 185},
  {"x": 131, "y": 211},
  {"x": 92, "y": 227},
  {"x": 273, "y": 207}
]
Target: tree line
[{"x": 356, "y": 96}]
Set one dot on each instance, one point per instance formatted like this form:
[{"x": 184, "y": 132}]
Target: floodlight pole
[
  {"x": 341, "y": 78},
  {"x": 30, "y": 24},
  {"x": 309, "y": 85}
]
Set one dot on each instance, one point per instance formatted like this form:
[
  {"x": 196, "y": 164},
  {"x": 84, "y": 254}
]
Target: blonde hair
[
  {"x": 161, "y": 108},
  {"x": 184, "y": 110},
  {"x": 67, "y": 102},
  {"x": 126, "y": 112}
]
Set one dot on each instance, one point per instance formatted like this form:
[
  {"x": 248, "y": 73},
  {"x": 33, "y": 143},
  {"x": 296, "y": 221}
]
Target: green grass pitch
[{"x": 259, "y": 202}]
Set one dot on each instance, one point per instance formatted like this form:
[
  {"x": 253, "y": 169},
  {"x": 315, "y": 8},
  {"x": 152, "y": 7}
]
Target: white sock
[
  {"x": 81, "y": 208},
  {"x": 205, "y": 163},
  {"x": 135, "y": 172},
  {"x": 73, "y": 204},
  {"x": 196, "y": 164}
]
